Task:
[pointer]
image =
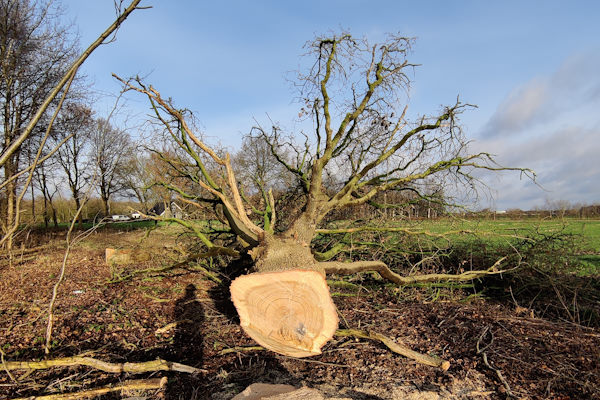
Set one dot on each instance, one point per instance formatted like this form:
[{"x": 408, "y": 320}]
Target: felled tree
[{"x": 362, "y": 144}]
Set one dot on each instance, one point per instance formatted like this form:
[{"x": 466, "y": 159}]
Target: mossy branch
[
  {"x": 408, "y": 231},
  {"x": 329, "y": 254},
  {"x": 334, "y": 267},
  {"x": 116, "y": 368},
  {"x": 392, "y": 345}
]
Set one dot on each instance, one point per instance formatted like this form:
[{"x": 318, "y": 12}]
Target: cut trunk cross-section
[{"x": 289, "y": 312}]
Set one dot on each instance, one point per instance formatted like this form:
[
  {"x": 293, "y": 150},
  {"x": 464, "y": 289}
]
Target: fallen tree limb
[
  {"x": 140, "y": 384},
  {"x": 396, "y": 347},
  {"x": 342, "y": 268},
  {"x": 132, "y": 368},
  {"x": 409, "y": 231},
  {"x": 389, "y": 343},
  {"x": 212, "y": 252}
]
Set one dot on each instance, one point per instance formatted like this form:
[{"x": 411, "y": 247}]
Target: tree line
[{"x": 50, "y": 134}]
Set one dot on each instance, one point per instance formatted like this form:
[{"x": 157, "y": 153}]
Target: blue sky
[{"x": 532, "y": 67}]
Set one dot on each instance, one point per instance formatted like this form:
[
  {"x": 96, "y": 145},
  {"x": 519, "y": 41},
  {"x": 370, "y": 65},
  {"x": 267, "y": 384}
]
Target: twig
[
  {"x": 396, "y": 347},
  {"x": 172, "y": 325},
  {"x": 212, "y": 252},
  {"x": 238, "y": 349},
  {"x": 140, "y": 384},
  {"x": 5, "y": 367},
  {"x": 485, "y": 359}
]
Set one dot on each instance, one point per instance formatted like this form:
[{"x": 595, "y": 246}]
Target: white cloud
[
  {"x": 544, "y": 100},
  {"x": 522, "y": 106},
  {"x": 552, "y": 126}
]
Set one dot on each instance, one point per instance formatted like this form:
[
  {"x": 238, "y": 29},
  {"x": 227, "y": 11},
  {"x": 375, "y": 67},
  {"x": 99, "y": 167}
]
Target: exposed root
[
  {"x": 132, "y": 368},
  {"x": 140, "y": 384},
  {"x": 342, "y": 268},
  {"x": 396, "y": 347}
]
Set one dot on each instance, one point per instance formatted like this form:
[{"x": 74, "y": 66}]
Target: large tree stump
[{"x": 289, "y": 312}]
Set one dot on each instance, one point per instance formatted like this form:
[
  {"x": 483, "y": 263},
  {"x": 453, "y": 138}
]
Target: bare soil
[{"x": 133, "y": 320}]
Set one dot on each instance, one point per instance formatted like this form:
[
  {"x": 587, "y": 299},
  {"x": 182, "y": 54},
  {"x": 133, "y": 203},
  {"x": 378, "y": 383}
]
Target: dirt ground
[{"x": 181, "y": 315}]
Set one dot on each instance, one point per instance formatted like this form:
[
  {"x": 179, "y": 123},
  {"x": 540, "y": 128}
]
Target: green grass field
[
  {"x": 575, "y": 241},
  {"x": 502, "y": 232},
  {"x": 589, "y": 230},
  {"x": 586, "y": 234}
]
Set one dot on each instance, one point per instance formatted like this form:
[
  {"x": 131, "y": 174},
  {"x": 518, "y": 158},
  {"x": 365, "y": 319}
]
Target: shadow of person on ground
[{"x": 188, "y": 344}]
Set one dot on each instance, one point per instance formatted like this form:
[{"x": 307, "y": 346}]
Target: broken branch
[
  {"x": 341, "y": 268},
  {"x": 396, "y": 347},
  {"x": 132, "y": 368}
]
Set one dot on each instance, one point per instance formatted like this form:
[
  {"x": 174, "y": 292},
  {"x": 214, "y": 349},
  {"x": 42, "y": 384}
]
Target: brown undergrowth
[{"x": 181, "y": 315}]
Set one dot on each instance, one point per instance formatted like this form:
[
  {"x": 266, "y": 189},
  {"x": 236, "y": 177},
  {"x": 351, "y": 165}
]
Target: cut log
[{"x": 288, "y": 312}]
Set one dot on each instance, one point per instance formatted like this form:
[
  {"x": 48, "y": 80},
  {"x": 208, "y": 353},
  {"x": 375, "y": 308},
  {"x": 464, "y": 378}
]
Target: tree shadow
[
  {"x": 221, "y": 295},
  {"x": 188, "y": 344},
  {"x": 239, "y": 370}
]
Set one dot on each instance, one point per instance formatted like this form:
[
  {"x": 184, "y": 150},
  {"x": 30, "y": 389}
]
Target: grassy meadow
[
  {"x": 579, "y": 239},
  {"x": 582, "y": 235},
  {"x": 572, "y": 243}
]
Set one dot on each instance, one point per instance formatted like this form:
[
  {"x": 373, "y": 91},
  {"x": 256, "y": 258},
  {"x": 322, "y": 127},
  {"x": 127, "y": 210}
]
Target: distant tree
[
  {"x": 109, "y": 149},
  {"x": 257, "y": 169},
  {"x": 138, "y": 180},
  {"x": 557, "y": 208},
  {"x": 45, "y": 180},
  {"x": 259, "y": 174},
  {"x": 75, "y": 123}
]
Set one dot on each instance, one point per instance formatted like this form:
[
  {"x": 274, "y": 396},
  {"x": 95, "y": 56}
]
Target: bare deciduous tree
[
  {"x": 45, "y": 180},
  {"x": 256, "y": 167},
  {"x": 38, "y": 66},
  {"x": 138, "y": 180},
  {"x": 109, "y": 148},
  {"x": 362, "y": 145},
  {"x": 35, "y": 53},
  {"x": 75, "y": 123}
]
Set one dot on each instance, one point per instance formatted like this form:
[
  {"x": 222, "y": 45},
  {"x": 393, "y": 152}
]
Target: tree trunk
[
  {"x": 45, "y": 210},
  {"x": 285, "y": 305},
  {"x": 10, "y": 212},
  {"x": 105, "y": 205},
  {"x": 32, "y": 204},
  {"x": 54, "y": 217},
  {"x": 77, "y": 207}
]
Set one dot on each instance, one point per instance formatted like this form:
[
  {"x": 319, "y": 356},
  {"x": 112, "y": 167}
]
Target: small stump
[
  {"x": 118, "y": 256},
  {"x": 288, "y": 312}
]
